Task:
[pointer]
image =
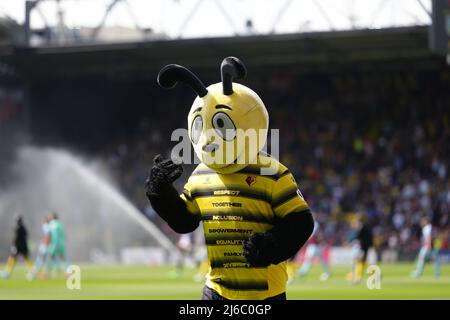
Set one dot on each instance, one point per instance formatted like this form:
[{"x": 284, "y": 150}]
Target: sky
[{"x": 227, "y": 17}]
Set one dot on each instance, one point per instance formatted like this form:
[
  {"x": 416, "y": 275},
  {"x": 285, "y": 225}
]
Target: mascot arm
[
  {"x": 282, "y": 241},
  {"x": 165, "y": 199}
]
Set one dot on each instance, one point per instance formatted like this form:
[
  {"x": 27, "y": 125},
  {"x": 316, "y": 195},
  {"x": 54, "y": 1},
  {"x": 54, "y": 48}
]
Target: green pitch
[{"x": 120, "y": 282}]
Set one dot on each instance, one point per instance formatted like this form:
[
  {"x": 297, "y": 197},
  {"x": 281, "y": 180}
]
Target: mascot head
[{"x": 228, "y": 122}]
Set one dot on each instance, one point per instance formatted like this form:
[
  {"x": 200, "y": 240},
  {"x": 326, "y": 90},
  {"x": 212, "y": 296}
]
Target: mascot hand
[
  {"x": 259, "y": 249},
  {"x": 163, "y": 172}
]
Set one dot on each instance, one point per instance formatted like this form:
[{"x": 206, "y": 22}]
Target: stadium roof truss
[{"x": 229, "y": 17}]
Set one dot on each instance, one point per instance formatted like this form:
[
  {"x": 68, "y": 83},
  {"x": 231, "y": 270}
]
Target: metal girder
[{"x": 277, "y": 9}]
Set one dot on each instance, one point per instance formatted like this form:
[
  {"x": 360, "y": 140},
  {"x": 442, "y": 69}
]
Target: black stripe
[
  {"x": 244, "y": 285},
  {"x": 241, "y": 217},
  {"x": 257, "y": 171},
  {"x": 188, "y": 197},
  {"x": 247, "y": 170},
  {"x": 284, "y": 173},
  {"x": 286, "y": 197},
  {"x": 242, "y": 193},
  {"x": 232, "y": 263}
]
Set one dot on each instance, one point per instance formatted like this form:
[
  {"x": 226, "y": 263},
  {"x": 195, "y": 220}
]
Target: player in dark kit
[
  {"x": 364, "y": 237},
  {"x": 19, "y": 248}
]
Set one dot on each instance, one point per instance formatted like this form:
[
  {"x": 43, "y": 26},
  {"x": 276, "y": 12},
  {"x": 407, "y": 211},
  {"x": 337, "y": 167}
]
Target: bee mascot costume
[{"x": 253, "y": 222}]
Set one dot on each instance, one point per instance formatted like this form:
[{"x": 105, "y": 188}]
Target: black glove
[
  {"x": 258, "y": 249},
  {"x": 281, "y": 242},
  {"x": 165, "y": 199},
  {"x": 162, "y": 173}
]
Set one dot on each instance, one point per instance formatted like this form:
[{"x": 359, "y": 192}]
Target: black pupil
[{"x": 220, "y": 123}]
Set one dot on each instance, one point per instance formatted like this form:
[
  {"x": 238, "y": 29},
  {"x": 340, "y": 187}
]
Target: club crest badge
[{"x": 250, "y": 180}]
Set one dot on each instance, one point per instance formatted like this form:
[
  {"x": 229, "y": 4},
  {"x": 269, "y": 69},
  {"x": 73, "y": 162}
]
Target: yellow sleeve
[
  {"x": 191, "y": 204},
  {"x": 286, "y": 196}
]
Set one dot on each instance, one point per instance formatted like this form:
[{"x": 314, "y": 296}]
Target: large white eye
[
  {"x": 196, "y": 130},
  {"x": 224, "y": 126}
]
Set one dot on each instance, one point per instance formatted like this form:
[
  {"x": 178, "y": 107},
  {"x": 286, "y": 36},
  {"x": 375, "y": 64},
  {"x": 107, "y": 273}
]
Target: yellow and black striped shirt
[{"x": 233, "y": 206}]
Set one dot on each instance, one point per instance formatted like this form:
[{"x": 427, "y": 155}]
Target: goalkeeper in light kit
[
  {"x": 57, "y": 246},
  {"x": 254, "y": 216}
]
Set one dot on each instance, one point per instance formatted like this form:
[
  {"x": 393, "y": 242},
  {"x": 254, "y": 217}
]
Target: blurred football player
[
  {"x": 42, "y": 249},
  {"x": 200, "y": 255},
  {"x": 426, "y": 251},
  {"x": 18, "y": 248},
  {"x": 314, "y": 252},
  {"x": 185, "y": 246},
  {"x": 361, "y": 243},
  {"x": 57, "y": 245}
]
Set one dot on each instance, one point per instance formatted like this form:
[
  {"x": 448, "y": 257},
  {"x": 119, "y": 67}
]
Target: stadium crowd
[{"x": 370, "y": 143}]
